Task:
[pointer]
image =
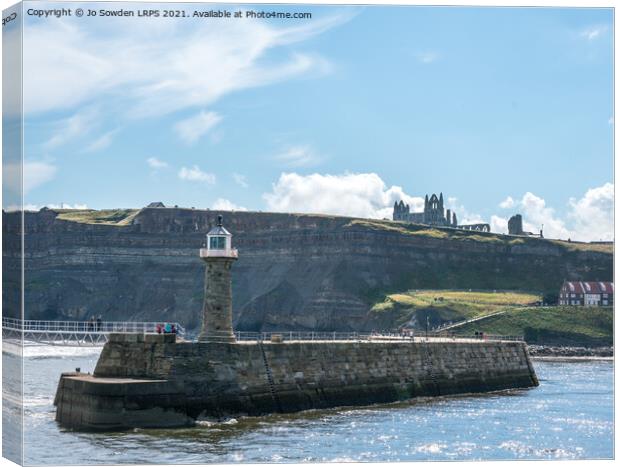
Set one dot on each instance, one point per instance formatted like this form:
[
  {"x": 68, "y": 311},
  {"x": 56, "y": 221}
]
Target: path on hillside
[{"x": 467, "y": 321}]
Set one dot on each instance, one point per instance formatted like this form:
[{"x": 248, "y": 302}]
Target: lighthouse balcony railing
[{"x": 214, "y": 253}]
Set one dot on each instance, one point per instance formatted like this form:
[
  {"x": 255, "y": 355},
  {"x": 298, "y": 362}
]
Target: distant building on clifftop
[
  {"x": 515, "y": 227},
  {"x": 578, "y": 293},
  {"x": 433, "y": 214}
]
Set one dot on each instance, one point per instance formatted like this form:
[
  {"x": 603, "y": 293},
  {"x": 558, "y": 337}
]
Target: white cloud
[
  {"x": 66, "y": 130},
  {"x": 164, "y": 65},
  {"x": 356, "y": 195},
  {"x": 507, "y": 203},
  {"x": 593, "y": 32},
  {"x": 36, "y": 207},
  {"x": 463, "y": 215},
  {"x": 537, "y": 215},
  {"x": 588, "y": 218},
  {"x": 499, "y": 224},
  {"x": 194, "y": 174},
  {"x": 366, "y": 195},
  {"x": 593, "y": 215},
  {"x": 102, "y": 142},
  {"x": 156, "y": 164},
  {"x": 298, "y": 156},
  {"x": 193, "y": 128},
  {"x": 240, "y": 180},
  {"x": 34, "y": 174},
  {"x": 222, "y": 204}
]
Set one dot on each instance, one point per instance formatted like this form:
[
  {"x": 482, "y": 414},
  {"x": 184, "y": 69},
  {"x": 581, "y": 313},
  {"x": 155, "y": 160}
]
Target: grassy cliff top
[
  {"x": 105, "y": 216},
  {"x": 120, "y": 217},
  {"x": 458, "y": 304},
  {"x": 472, "y": 236}
]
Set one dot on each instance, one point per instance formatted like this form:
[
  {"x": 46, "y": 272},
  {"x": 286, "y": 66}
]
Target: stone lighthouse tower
[{"x": 219, "y": 257}]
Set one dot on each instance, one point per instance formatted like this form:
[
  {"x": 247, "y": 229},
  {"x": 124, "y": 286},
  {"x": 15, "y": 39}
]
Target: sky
[{"x": 504, "y": 110}]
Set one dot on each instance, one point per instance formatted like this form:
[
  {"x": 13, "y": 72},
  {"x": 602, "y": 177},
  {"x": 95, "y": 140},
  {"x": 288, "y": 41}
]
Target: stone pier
[{"x": 153, "y": 381}]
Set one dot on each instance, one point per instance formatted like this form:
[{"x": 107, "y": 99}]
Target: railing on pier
[
  {"x": 281, "y": 336},
  {"x": 96, "y": 333},
  {"x": 74, "y": 332}
]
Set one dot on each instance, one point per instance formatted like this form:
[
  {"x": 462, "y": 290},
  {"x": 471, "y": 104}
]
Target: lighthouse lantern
[{"x": 219, "y": 243}]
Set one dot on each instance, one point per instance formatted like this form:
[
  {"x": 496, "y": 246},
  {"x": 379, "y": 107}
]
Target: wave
[{"x": 40, "y": 351}]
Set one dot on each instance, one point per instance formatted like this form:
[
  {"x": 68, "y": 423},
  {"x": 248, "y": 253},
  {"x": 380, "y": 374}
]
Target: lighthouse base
[{"x": 218, "y": 338}]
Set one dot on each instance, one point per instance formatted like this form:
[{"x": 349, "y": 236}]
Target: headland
[{"x": 296, "y": 272}]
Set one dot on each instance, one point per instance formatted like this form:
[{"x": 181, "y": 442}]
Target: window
[
  {"x": 605, "y": 295},
  {"x": 572, "y": 295},
  {"x": 217, "y": 243},
  {"x": 605, "y": 302}
]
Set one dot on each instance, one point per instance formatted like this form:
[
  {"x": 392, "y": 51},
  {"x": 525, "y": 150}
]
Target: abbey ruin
[{"x": 433, "y": 214}]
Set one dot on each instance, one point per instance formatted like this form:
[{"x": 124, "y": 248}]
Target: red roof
[{"x": 588, "y": 287}]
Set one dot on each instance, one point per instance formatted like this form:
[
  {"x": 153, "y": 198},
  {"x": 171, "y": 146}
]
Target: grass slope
[
  {"x": 442, "y": 306},
  {"x": 557, "y": 325},
  {"x": 470, "y": 236},
  {"x": 124, "y": 216}
]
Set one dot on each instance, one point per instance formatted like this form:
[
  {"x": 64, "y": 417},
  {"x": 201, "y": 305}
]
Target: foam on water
[
  {"x": 53, "y": 351},
  {"x": 31, "y": 350}
]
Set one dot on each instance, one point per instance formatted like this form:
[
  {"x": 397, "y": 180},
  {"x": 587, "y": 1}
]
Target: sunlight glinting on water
[{"x": 569, "y": 416}]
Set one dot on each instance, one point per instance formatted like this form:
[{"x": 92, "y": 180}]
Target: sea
[{"x": 569, "y": 416}]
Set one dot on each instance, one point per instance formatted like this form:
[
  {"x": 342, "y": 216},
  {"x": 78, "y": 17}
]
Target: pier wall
[{"x": 192, "y": 380}]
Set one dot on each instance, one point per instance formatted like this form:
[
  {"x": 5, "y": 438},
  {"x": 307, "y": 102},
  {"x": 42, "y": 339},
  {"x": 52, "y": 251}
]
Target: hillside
[
  {"x": 295, "y": 271},
  {"x": 576, "y": 326},
  {"x": 411, "y": 309}
]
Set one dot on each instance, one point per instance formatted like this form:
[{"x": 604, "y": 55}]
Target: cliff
[{"x": 294, "y": 271}]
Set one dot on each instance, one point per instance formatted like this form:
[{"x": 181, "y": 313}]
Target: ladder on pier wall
[
  {"x": 272, "y": 386},
  {"x": 430, "y": 371}
]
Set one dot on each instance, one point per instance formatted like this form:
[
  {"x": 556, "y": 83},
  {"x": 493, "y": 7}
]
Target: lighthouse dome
[{"x": 219, "y": 228}]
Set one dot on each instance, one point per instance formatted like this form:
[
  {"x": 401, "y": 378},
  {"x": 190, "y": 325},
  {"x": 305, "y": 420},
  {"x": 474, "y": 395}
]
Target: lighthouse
[{"x": 219, "y": 257}]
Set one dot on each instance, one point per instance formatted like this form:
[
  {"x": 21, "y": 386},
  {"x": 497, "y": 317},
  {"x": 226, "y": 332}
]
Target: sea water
[{"x": 569, "y": 416}]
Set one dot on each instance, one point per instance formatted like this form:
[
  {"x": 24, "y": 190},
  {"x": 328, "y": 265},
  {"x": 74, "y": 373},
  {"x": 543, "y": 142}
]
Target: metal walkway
[{"x": 73, "y": 333}]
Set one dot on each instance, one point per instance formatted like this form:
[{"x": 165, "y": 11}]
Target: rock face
[
  {"x": 295, "y": 272},
  {"x": 152, "y": 381}
]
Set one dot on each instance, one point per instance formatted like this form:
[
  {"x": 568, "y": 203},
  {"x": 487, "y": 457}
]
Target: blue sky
[{"x": 503, "y": 109}]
